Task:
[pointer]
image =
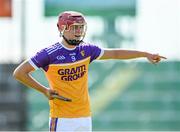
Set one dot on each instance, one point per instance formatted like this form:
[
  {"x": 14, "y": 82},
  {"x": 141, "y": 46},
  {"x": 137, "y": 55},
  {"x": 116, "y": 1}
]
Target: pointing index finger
[{"x": 162, "y": 57}]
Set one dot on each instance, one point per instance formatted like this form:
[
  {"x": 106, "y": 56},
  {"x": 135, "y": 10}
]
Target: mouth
[{"x": 77, "y": 36}]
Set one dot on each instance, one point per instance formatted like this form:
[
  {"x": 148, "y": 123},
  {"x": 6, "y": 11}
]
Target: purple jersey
[{"x": 59, "y": 54}]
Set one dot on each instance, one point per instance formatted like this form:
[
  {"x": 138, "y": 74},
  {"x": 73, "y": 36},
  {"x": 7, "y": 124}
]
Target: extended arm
[{"x": 130, "y": 54}]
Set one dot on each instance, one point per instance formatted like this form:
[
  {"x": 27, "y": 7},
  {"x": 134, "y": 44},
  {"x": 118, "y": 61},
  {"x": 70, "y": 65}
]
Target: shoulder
[
  {"x": 48, "y": 53},
  {"x": 86, "y": 45},
  {"x": 53, "y": 48}
]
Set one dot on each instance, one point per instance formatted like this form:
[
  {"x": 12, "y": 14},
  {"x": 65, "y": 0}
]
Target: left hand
[
  {"x": 155, "y": 58},
  {"x": 52, "y": 94}
]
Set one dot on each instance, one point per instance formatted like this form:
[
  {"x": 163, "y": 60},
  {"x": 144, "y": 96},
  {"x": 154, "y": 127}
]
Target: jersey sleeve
[
  {"x": 95, "y": 52},
  {"x": 40, "y": 60}
]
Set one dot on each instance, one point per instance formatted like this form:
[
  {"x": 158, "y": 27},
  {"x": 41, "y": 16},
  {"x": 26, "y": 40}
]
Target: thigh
[{"x": 71, "y": 124}]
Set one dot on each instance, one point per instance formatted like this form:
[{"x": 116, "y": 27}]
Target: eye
[
  {"x": 82, "y": 26},
  {"x": 76, "y": 27},
  {"x": 79, "y": 27}
]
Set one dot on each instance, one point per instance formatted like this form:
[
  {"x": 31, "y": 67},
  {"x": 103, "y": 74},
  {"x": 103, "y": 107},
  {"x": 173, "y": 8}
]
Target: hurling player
[{"x": 65, "y": 65}]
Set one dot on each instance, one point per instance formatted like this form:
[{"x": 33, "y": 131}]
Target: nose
[{"x": 78, "y": 30}]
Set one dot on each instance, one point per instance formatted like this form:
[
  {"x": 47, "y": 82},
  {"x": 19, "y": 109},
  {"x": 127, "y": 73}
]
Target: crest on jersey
[
  {"x": 83, "y": 53},
  {"x": 60, "y": 57}
]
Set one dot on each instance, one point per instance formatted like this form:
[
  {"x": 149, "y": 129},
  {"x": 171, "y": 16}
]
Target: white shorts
[{"x": 70, "y": 124}]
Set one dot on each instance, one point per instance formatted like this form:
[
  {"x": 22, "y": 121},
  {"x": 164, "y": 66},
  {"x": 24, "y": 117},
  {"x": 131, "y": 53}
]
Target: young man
[{"x": 66, "y": 67}]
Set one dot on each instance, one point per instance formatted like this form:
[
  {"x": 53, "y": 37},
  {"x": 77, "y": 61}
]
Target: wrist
[
  {"x": 146, "y": 54},
  {"x": 45, "y": 91}
]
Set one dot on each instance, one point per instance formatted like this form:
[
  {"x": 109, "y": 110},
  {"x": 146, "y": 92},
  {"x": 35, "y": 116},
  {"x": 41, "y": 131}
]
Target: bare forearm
[
  {"x": 129, "y": 54},
  {"x": 123, "y": 54},
  {"x": 29, "y": 81}
]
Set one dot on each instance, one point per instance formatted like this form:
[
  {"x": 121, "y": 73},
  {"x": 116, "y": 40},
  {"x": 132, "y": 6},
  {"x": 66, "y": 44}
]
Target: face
[{"x": 75, "y": 32}]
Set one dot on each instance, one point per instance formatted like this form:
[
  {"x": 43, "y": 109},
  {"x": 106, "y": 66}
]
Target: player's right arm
[{"x": 22, "y": 74}]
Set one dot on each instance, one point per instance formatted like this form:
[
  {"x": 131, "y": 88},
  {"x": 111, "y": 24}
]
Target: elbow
[
  {"x": 22, "y": 71},
  {"x": 17, "y": 74}
]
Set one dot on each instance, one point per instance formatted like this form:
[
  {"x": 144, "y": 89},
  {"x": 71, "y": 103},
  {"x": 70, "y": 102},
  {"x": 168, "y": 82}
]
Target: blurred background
[{"x": 125, "y": 95}]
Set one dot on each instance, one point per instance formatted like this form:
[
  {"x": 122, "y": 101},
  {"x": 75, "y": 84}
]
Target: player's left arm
[{"x": 130, "y": 54}]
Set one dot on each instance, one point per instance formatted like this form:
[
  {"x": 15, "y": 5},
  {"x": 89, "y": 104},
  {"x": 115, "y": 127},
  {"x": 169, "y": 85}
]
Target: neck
[{"x": 67, "y": 45}]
